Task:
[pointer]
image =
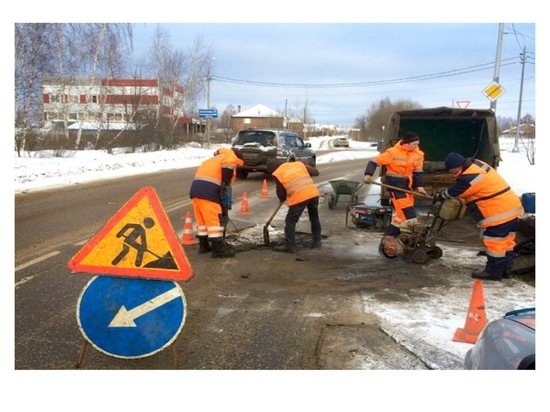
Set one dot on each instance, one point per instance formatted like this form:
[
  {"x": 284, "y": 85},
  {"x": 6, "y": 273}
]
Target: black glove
[
  {"x": 438, "y": 197},
  {"x": 226, "y": 195}
]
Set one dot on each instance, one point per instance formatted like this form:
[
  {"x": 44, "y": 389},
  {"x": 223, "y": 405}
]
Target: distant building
[
  {"x": 112, "y": 104},
  {"x": 257, "y": 116},
  {"x": 525, "y": 130}
]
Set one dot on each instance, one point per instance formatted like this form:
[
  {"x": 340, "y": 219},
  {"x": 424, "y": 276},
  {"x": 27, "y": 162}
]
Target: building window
[{"x": 55, "y": 98}]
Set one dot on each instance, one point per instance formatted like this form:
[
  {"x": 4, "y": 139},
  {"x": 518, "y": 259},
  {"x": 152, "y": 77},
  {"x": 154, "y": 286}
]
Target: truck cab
[{"x": 470, "y": 132}]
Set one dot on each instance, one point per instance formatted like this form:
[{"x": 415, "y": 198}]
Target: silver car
[{"x": 505, "y": 343}]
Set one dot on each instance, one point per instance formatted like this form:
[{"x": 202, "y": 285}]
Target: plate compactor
[{"x": 418, "y": 241}]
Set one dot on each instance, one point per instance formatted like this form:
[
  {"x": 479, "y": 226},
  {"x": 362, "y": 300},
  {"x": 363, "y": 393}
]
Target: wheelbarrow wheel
[
  {"x": 420, "y": 256},
  {"x": 435, "y": 252},
  {"x": 331, "y": 201}
]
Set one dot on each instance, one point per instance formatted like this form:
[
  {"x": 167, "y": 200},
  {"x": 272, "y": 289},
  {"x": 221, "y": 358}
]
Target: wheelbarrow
[{"x": 343, "y": 187}]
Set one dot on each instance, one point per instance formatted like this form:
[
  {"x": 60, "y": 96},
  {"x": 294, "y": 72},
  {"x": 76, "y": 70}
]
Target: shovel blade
[{"x": 266, "y": 236}]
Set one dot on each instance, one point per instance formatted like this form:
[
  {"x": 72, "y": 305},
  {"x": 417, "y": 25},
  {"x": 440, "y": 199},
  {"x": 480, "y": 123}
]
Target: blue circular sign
[{"x": 131, "y": 318}]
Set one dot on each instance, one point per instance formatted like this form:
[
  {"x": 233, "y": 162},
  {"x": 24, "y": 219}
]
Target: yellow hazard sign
[
  {"x": 138, "y": 241},
  {"x": 494, "y": 91}
]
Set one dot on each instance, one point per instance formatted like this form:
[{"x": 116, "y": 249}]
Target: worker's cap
[
  {"x": 409, "y": 137},
  {"x": 454, "y": 160}
]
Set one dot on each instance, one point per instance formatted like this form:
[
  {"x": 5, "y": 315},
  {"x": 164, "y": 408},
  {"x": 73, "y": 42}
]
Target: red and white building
[{"x": 112, "y": 104}]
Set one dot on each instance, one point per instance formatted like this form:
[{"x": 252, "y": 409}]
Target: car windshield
[{"x": 263, "y": 138}]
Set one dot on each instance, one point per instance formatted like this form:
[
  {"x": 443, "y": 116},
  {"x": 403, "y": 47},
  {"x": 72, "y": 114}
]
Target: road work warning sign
[{"x": 138, "y": 241}]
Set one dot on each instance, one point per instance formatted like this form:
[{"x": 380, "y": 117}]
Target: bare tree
[
  {"x": 174, "y": 68},
  {"x": 33, "y": 43},
  {"x": 374, "y": 121}
]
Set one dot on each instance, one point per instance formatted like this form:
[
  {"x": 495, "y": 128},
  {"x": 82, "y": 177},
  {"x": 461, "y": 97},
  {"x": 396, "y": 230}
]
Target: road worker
[
  {"x": 494, "y": 206},
  {"x": 294, "y": 184},
  {"x": 210, "y": 190},
  {"x": 404, "y": 164}
]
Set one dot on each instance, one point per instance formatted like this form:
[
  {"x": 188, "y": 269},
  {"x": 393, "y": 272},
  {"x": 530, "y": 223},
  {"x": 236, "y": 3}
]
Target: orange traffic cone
[
  {"x": 244, "y": 204},
  {"x": 188, "y": 238},
  {"x": 476, "y": 318},
  {"x": 264, "y": 193}
]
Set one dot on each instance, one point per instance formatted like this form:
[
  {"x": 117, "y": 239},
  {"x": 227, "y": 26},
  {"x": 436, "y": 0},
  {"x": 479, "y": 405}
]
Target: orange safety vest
[
  {"x": 400, "y": 162},
  {"x": 489, "y": 197},
  {"x": 211, "y": 169},
  {"x": 298, "y": 184}
]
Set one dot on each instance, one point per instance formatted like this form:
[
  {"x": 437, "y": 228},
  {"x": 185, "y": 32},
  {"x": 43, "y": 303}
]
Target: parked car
[
  {"x": 341, "y": 142},
  {"x": 258, "y": 145},
  {"x": 505, "y": 343}
]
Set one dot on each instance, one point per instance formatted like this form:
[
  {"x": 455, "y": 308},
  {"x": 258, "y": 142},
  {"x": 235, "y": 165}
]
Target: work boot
[
  {"x": 204, "y": 246},
  {"x": 483, "y": 275},
  {"x": 221, "y": 250}
]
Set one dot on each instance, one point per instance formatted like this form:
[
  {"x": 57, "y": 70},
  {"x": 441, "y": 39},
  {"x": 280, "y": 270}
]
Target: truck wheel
[{"x": 241, "y": 174}]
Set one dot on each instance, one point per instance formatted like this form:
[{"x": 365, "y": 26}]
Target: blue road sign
[
  {"x": 208, "y": 113},
  {"x": 131, "y": 318}
]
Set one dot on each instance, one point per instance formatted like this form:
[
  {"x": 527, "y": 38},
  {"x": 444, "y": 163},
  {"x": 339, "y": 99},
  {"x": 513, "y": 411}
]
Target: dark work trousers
[
  {"x": 499, "y": 242},
  {"x": 293, "y": 215}
]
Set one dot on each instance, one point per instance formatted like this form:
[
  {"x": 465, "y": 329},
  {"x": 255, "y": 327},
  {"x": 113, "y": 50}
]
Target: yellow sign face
[
  {"x": 138, "y": 241},
  {"x": 494, "y": 91}
]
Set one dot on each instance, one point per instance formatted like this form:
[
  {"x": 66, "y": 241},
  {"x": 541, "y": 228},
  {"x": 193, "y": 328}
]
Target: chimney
[{"x": 239, "y": 108}]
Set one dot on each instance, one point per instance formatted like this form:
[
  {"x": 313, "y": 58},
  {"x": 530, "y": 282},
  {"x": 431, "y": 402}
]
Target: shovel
[
  {"x": 402, "y": 190},
  {"x": 266, "y": 226}
]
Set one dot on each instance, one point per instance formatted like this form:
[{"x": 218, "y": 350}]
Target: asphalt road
[{"x": 262, "y": 310}]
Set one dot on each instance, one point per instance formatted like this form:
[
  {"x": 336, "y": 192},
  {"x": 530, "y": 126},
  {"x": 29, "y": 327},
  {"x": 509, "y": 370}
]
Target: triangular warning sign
[{"x": 138, "y": 241}]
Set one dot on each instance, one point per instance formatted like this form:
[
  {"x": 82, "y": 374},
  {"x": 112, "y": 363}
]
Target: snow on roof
[{"x": 258, "y": 111}]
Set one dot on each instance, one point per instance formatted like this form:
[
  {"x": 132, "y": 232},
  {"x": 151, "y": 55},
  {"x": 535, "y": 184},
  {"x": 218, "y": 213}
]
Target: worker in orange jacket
[
  {"x": 494, "y": 206},
  {"x": 209, "y": 191},
  {"x": 294, "y": 184},
  {"x": 404, "y": 164}
]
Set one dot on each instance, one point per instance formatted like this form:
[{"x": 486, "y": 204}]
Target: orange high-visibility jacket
[
  {"x": 212, "y": 173},
  {"x": 487, "y": 194},
  {"x": 402, "y": 166},
  {"x": 297, "y": 182}
]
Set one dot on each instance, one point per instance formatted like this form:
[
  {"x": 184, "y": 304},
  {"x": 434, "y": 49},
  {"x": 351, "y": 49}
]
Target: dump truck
[{"x": 470, "y": 132}]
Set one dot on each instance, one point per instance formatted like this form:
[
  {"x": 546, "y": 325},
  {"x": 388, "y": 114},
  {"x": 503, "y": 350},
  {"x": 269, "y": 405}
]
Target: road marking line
[{"x": 37, "y": 260}]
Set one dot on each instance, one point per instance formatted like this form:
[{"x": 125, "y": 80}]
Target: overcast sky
[
  {"x": 340, "y": 69},
  {"x": 341, "y": 57}
]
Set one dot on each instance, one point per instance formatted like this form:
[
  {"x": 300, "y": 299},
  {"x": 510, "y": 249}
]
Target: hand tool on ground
[
  {"x": 266, "y": 226},
  {"x": 402, "y": 190}
]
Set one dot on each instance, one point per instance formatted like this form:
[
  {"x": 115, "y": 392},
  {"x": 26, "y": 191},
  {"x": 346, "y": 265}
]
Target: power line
[{"x": 449, "y": 73}]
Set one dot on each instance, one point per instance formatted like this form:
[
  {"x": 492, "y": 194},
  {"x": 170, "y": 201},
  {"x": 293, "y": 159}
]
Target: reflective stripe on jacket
[
  {"x": 488, "y": 196},
  {"x": 212, "y": 173},
  {"x": 404, "y": 168},
  {"x": 298, "y": 184}
]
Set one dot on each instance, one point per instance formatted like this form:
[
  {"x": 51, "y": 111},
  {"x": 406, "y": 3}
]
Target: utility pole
[
  {"x": 496, "y": 75},
  {"x": 208, "y": 80},
  {"x": 516, "y": 141}
]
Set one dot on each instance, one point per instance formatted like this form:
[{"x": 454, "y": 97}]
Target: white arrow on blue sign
[{"x": 131, "y": 318}]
